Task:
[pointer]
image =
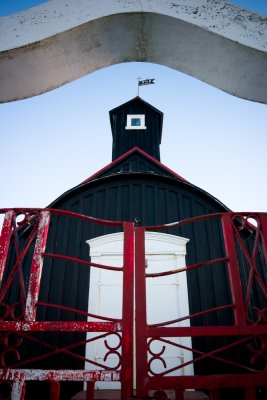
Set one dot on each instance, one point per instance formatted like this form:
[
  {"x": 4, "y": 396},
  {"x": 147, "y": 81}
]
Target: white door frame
[{"x": 108, "y": 249}]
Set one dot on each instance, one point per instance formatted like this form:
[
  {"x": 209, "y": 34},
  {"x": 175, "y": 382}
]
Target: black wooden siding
[
  {"x": 154, "y": 200},
  {"x": 148, "y": 139}
]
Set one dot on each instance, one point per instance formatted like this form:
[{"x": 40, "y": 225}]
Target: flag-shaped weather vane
[{"x": 144, "y": 82}]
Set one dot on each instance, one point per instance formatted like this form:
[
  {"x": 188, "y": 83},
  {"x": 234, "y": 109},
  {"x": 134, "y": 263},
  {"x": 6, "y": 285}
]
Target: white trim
[{"x": 130, "y": 117}]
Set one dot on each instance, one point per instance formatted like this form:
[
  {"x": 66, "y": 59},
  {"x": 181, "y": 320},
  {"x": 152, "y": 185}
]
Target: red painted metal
[
  {"x": 60, "y": 326},
  {"x": 127, "y": 154},
  {"x": 59, "y": 375},
  {"x": 84, "y": 262},
  {"x": 192, "y": 266},
  {"x": 243, "y": 332},
  {"x": 165, "y": 323},
  {"x": 39, "y": 303},
  {"x": 139, "y": 335},
  {"x": 5, "y": 241},
  {"x": 19, "y": 258},
  {"x": 55, "y": 390},
  {"x": 90, "y": 391},
  {"x": 37, "y": 265},
  {"x": 26, "y": 323},
  {"x": 140, "y": 313},
  {"x": 264, "y": 235},
  {"x": 225, "y": 330},
  {"x": 215, "y": 394},
  {"x": 18, "y": 389},
  {"x": 250, "y": 393},
  {"x": 127, "y": 312},
  {"x": 209, "y": 381},
  {"x": 233, "y": 268}
]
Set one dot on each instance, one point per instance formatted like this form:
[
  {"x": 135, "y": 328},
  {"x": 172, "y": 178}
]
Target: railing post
[
  {"x": 37, "y": 265},
  {"x": 6, "y": 233},
  {"x": 263, "y": 221},
  {"x": 233, "y": 269},
  {"x": 179, "y": 394},
  {"x": 250, "y": 393},
  {"x": 215, "y": 394},
  {"x": 127, "y": 312},
  {"x": 55, "y": 390},
  {"x": 18, "y": 389},
  {"x": 140, "y": 313},
  {"x": 90, "y": 391}
]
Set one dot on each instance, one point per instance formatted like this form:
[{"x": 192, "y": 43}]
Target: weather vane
[{"x": 144, "y": 82}]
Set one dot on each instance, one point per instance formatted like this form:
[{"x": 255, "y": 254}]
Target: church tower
[{"x": 136, "y": 124}]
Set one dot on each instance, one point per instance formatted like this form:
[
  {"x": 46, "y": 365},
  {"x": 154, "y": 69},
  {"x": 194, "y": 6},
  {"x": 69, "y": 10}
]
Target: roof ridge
[{"x": 128, "y": 153}]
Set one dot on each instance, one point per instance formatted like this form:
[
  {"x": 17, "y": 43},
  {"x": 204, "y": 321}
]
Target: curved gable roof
[
  {"x": 151, "y": 165},
  {"x": 160, "y": 171}
]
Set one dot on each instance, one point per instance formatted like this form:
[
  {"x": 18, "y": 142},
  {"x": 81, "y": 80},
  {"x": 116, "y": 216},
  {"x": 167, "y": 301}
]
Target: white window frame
[{"x": 130, "y": 117}]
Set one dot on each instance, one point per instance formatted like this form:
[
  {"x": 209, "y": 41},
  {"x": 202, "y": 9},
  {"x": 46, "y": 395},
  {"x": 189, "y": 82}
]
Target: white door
[{"x": 167, "y": 298}]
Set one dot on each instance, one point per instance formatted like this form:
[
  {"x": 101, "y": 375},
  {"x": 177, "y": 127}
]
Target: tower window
[{"x": 135, "y": 121}]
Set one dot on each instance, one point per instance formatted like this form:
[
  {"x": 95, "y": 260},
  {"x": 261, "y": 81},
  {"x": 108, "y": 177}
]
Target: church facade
[{"x": 137, "y": 188}]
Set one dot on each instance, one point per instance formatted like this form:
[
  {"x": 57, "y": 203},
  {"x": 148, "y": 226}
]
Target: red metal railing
[
  {"x": 245, "y": 332},
  {"x": 25, "y": 323}
]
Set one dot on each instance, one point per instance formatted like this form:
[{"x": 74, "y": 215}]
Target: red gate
[
  {"x": 245, "y": 330},
  {"x": 24, "y": 324}
]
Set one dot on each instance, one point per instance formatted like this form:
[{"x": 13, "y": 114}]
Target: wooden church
[{"x": 196, "y": 301}]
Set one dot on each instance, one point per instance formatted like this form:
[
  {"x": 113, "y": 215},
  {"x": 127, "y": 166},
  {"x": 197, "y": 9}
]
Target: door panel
[
  {"x": 105, "y": 299},
  {"x": 167, "y": 297}
]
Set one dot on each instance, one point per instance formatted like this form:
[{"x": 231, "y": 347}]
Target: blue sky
[
  {"x": 8, "y": 7},
  {"x": 54, "y": 141}
]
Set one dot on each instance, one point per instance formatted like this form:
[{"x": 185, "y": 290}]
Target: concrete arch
[{"x": 60, "y": 41}]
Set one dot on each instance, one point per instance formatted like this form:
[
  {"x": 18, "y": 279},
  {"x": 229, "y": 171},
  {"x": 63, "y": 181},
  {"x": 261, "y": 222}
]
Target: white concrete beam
[{"x": 62, "y": 40}]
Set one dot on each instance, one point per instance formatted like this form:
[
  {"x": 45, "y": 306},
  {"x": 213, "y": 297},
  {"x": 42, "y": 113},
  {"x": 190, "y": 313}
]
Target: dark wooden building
[{"x": 135, "y": 186}]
